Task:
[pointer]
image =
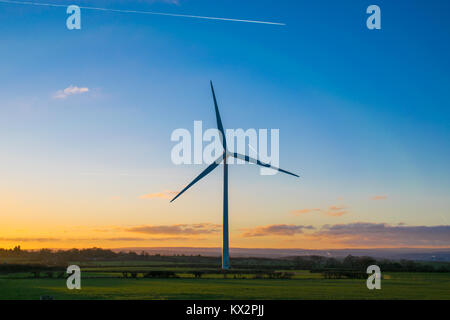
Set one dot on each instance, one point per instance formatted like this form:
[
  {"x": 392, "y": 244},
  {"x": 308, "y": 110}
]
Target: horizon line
[{"x": 235, "y": 248}]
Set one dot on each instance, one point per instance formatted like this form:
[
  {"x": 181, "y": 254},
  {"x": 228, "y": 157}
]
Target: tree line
[{"x": 314, "y": 263}]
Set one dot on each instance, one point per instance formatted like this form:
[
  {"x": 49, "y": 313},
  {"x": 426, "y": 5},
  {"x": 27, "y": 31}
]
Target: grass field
[{"x": 305, "y": 285}]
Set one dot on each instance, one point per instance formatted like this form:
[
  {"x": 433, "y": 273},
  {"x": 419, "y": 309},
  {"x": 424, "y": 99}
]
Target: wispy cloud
[
  {"x": 167, "y": 1},
  {"x": 184, "y": 229},
  {"x": 69, "y": 91},
  {"x": 112, "y": 239},
  {"x": 334, "y": 211},
  {"x": 160, "y": 195},
  {"x": 356, "y": 234},
  {"x": 25, "y": 239},
  {"x": 305, "y": 211},
  {"x": 382, "y": 234},
  {"x": 384, "y": 197},
  {"x": 132, "y": 239},
  {"x": 276, "y": 229},
  {"x": 361, "y": 234}
]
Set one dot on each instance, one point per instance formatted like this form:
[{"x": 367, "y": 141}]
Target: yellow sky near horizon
[
  {"x": 60, "y": 215},
  {"x": 207, "y": 235}
]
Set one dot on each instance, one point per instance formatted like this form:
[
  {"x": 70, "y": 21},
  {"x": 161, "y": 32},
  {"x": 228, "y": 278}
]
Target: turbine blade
[
  {"x": 255, "y": 161},
  {"x": 218, "y": 119},
  {"x": 211, "y": 167}
]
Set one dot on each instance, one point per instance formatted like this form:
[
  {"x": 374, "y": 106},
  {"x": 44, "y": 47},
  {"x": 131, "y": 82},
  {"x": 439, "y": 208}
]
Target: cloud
[
  {"x": 124, "y": 239},
  {"x": 382, "y": 234},
  {"x": 184, "y": 229},
  {"x": 304, "y": 211},
  {"x": 160, "y": 195},
  {"x": 34, "y": 239},
  {"x": 71, "y": 90},
  {"x": 378, "y": 198},
  {"x": 276, "y": 229},
  {"x": 131, "y": 239},
  {"x": 336, "y": 211},
  {"x": 169, "y": 1},
  {"x": 356, "y": 235},
  {"x": 164, "y": 1}
]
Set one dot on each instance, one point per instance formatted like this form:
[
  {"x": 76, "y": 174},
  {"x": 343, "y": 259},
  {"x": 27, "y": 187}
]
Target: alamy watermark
[
  {"x": 205, "y": 147},
  {"x": 74, "y": 280},
  {"x": 74, "y": 20},
  {"x": 374, "y": 280},
  {"x": 374, "y": 20}
]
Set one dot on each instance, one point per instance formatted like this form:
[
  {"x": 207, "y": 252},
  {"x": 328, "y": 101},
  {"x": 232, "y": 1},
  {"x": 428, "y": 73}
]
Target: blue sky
[{"x": 361, "y": 113}]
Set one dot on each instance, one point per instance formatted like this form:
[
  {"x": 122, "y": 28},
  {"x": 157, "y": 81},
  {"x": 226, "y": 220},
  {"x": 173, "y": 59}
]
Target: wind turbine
[{"x": 215, "y": 164}]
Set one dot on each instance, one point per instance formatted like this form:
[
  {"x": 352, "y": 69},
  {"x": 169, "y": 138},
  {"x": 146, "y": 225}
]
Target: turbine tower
[{"x": 215, "y": 164}]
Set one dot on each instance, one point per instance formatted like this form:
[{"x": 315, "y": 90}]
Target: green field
[
  {"x": 197, "y": 277},
  {"x": 304, "y": 285}
]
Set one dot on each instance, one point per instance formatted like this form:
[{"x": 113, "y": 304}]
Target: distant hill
[{"x": 423, "y": 254}]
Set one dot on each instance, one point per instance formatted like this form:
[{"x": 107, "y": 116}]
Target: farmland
[
  {"x": 305, "y": 286},
  {"x": 27, "y": 275},
  {"x": 109, "y": 283}
]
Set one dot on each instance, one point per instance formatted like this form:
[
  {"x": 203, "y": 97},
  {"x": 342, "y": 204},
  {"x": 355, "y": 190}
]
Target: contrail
[{"x": 143, "y": 12}]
